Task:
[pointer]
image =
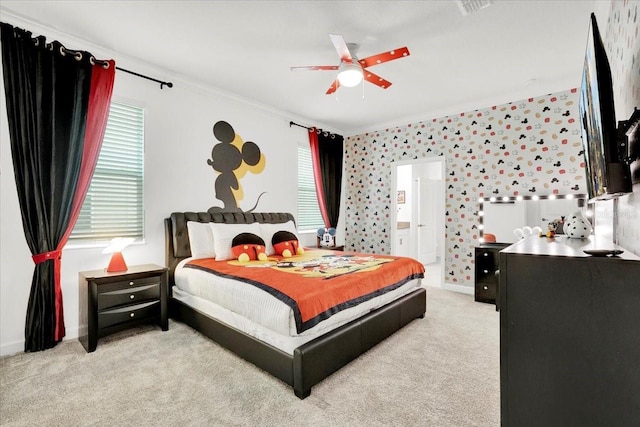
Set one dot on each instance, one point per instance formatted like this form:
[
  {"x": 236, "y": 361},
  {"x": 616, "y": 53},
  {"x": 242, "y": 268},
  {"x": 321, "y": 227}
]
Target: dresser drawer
[
  {"x": 128, "y": 313},
  {"x": 128, "y": 295}
]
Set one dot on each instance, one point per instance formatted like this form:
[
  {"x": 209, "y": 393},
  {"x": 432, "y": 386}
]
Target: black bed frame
[{"x": 311, "y": 362}]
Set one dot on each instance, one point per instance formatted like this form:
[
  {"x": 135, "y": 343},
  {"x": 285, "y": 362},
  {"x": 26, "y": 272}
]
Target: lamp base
[{"x": 117, "y": 263}]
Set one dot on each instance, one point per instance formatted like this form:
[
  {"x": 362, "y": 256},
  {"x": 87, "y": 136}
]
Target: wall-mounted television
[{"x": 607, "y": 175}]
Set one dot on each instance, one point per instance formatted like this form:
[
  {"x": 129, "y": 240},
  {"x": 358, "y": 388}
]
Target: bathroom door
[{"x": 426, "y": 219}]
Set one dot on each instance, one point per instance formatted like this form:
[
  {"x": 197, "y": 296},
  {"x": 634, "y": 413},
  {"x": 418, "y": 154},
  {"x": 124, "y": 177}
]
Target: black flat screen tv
[{"x": 607, "y": 176}]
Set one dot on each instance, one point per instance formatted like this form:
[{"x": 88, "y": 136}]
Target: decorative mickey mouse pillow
[
  {"x": 248, "y": 247},
  {"x": 223, "y": 235},
  {"x": 286, "y": 243},
  {"x": 267, "y": 231}
]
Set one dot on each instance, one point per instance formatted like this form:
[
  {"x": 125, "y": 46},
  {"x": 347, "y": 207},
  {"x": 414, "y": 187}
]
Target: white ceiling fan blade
[
  {"x": 341, "y": 47},
  {"x": 314, "y": 68}
]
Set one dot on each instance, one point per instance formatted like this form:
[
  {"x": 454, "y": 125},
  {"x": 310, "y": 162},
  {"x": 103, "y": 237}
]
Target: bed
[{"x": 304, "y": 350}]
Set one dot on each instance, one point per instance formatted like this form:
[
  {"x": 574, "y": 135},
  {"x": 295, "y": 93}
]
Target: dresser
[
  {"x": 111, "y": 302},
  {"x": 569, "y": 334},
  {"x": 487, "y": 263}
]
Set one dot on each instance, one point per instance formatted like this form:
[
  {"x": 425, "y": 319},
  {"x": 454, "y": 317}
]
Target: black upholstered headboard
[{"x": 176, "y": 236}]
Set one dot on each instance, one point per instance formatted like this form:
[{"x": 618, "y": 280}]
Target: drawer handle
[
  {"x": 486, "y": 271},
  {"x": 485, "y": 254},
  {"x": 485, "y": 288},
  {"x": 130, "y": 283},
  {"x": 131, "y": 296},
  {"x": 132, "y": 314}
]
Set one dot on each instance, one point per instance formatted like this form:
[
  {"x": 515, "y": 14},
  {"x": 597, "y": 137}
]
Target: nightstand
[
  {"x": 111, "y": 302},
  {"x": 487, "y": 263}
]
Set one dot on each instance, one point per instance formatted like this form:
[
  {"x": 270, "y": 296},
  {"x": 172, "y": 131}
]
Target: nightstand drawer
[
  {"x": 487, "y": 258},
  {"x": 128, "y": 313},
  {"x": 106, "y": 286},
  {"x": 486, "y": 274},
  {"x": 485, "y": 291},
  {"x": 128, "y": 296}
]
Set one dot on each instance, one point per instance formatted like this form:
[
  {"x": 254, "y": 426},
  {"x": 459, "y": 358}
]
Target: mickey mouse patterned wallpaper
[{"x": 531, "y": 146}]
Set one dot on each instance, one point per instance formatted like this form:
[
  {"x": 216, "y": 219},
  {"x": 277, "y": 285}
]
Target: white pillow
[
  {"x": 268, "y": 230},
  {"x": 223, "y": 234},
  {"x": 200, "y": 239}
]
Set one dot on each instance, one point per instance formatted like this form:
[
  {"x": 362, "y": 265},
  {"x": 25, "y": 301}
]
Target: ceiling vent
[{"x": 468, "y": 7}]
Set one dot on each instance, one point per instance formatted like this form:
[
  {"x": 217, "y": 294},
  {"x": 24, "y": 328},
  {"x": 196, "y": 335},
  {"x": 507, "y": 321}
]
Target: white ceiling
[{"x": 506, "y": 52}]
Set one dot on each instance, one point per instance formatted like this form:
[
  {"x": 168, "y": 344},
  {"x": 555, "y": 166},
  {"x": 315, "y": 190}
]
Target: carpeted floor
[{"x": 442, "y": 370}]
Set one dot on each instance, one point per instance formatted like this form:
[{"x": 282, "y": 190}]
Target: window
[
  {"x": 114, "y": 206},
  {"x": 309, "y": 217}
]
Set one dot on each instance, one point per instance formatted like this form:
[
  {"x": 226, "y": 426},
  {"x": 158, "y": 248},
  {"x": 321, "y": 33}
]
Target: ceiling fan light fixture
[{"x": 350, "y": 74}]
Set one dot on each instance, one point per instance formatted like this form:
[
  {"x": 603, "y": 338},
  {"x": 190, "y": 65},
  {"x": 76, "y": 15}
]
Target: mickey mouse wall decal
[{"x": 231, "y": 158}]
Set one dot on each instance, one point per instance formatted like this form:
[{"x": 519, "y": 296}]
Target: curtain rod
[
  {"x": 332, "y": 135},
  {"x": 78, "y": 54},
  {"x": 302, "y": 126},
  {"x": 168, "y": 84}
]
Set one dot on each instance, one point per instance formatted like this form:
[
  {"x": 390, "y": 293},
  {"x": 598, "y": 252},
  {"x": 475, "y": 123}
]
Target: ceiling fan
[{"x": 351, "y": 69}]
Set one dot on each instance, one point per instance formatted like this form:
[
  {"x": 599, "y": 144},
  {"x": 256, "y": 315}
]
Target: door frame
[{"x": 440, "y": 233}]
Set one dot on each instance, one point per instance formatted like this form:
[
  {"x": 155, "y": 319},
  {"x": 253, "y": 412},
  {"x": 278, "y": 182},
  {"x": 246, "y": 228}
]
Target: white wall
[{"x": 178, "y": 142}]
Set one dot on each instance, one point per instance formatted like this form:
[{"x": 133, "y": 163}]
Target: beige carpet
[{"x": 442, "y": 370}]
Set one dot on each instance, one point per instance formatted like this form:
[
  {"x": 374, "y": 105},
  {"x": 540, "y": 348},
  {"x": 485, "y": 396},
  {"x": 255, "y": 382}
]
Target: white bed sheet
[{"x": 261, "y": 308}]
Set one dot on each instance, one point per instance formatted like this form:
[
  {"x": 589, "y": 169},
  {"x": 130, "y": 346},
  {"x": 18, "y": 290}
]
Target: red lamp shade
[
  {"x": 116, "y": 247},
  {"x": 117, "y": 263}
]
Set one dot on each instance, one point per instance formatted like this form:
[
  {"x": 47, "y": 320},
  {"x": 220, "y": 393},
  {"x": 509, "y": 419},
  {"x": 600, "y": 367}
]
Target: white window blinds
[
  {"x": 309, "y": 217},
  {"x": 114, "y": 203}
]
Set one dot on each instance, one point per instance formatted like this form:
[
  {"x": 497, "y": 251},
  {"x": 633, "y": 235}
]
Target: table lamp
[{"x": 116, "y": 247}]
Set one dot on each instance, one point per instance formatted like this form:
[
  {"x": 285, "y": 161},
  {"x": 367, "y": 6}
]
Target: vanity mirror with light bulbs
[
  {"x": 498, "y": 219},
  {"x": 500, "y": 216}
]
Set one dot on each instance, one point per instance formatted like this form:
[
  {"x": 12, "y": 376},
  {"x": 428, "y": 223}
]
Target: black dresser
[
  {"x": 487, "y": 264},
  {"x": 569, "y": 335}
]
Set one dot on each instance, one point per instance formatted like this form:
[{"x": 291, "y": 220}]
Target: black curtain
[
  {"x": 47, "y": 94},
  {"x": 330, "y": 149}
]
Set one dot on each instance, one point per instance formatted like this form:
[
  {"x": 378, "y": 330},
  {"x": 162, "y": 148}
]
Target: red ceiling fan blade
[
  {"x": 334, "y": 86},
  {"x": 376, "y": 79},
  {"x": 341, "y": 47},
  {"x": 315, "y": 68},
  {"x": 384, "y": 57}
]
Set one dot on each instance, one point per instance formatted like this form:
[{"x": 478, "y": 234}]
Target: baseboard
[
  {"x": 15, "y": 347},
  {"x": 12, "y": 348},
  {"x": 469, "y": 290}
]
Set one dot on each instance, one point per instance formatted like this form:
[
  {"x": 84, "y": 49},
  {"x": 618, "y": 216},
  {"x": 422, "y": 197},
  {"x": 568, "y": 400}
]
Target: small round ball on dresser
[{"x": 577, "y": 226}]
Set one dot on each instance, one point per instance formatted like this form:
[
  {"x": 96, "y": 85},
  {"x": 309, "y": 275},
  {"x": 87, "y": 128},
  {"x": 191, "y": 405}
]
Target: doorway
[{"x": 418, "y": 214}]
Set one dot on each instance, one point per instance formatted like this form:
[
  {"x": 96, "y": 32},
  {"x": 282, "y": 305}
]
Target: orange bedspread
[{"x": 319, "y": 283}]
